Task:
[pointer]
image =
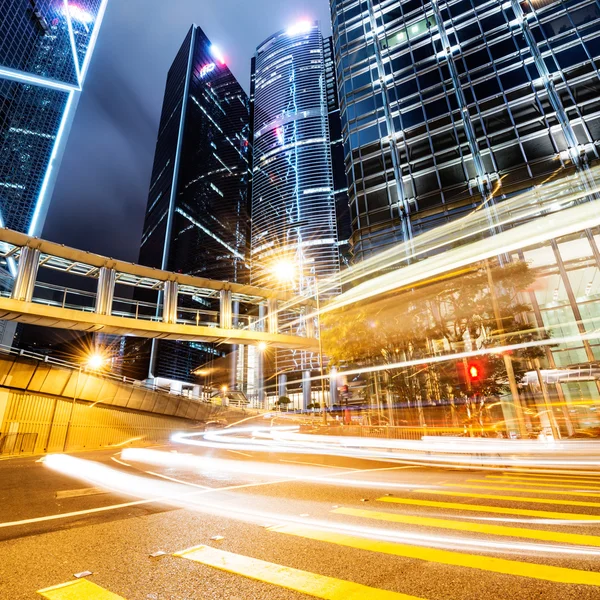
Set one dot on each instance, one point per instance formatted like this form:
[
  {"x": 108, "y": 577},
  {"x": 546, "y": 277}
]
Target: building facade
[
  {"x": 447, "y": 105},
  {"x": 293, "y": 200},
  {"x": 45, "y": 51},
  {"x": 197, "y": 213}
]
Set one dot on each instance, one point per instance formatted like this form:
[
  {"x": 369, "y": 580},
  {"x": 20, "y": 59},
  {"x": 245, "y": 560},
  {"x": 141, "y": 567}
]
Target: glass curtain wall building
[
  {"x": 293, "y": 204},
  {"x": 449, "y": 104},
  {"x": 197, "y": 213},
  {"x": 45, "y": 51}
]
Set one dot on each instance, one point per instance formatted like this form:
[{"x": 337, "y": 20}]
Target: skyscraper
[
  {"x": 45, "y": 51},
  {"x": 197, "y": 214},
  {"x": 450, "y": 104},
  {"x": 293, "y": 205}
]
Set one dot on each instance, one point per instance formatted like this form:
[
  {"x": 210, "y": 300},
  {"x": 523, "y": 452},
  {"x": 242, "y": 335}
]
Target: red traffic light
[{"x": 473, "y": 372}]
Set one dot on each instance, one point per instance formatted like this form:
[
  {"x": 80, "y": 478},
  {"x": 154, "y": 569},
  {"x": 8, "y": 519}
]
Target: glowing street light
[
  {"x": 284, "y": 270},
  {"x": 95, "y": 362},
  {"x": 262, "y": 346}
]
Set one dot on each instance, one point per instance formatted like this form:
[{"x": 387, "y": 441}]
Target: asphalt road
[{"x": 259, "y": 530}]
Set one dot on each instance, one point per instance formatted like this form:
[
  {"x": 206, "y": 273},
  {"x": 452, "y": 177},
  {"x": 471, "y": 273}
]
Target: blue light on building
[{"x": 45, "y": 52}]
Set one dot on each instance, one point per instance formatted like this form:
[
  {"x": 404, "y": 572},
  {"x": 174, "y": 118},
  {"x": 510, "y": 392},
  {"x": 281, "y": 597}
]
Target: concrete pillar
[
  {"x": 306, "y": 389},
  {"x": 310, "y": 324},
  {"x": 273, "y": 318},
  {"x": 225, "y": 310},
  {"x": 170, "y": 291},
  {"x": 233, "y": 364},
  {"x": 333, "y": 391},
  {"x": 282, "y": 385},
  {"x": 29, "y": 262},
  {"x": 260, "y": 364},
  {"x": 106, "y": 291}
]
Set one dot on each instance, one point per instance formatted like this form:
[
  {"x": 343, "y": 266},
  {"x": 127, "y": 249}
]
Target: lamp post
[
  {"x": 94, "y": 362},
  {"x": 283, "y": 270}
]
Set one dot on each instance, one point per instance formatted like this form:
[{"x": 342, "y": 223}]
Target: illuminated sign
[{"x": 206, "y": 69}]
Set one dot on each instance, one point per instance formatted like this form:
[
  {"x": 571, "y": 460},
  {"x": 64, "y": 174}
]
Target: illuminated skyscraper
[
  {"x": 197, "y": 215},
  {"x": 45, "y": 51},
  {"x": 450, "y": 104},
  {"x": 293, "y": 204}
]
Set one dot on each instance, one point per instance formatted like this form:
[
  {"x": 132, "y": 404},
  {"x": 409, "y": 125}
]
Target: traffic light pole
[{"x": 514, "y": 390}]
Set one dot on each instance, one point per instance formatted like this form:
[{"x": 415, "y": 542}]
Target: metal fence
[{"x": 393, "y": 432}]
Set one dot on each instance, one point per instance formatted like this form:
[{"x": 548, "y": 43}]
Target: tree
[
  {"x": 283, "y": 401},
  {"x": 450, "y": 315}
]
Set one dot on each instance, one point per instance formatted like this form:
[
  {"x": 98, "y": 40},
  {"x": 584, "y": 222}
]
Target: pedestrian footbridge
[{"x": 102, "y": 295}]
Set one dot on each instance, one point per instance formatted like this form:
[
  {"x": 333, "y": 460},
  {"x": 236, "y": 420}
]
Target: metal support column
[
  {"x": 260, "y": 364},
  {"x": 282, "y": 385},
  {"x": 169, "y": 314},
  {"x": 306, "y": 391},
  {"x": 29, "y": 262},
  {"x": 106, "y": 291},
  {"x": 273, "y": 317},
  {"x": 225, "y": 310}
]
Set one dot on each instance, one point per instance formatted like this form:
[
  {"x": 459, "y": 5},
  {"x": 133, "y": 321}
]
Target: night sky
[{"x": 100, "y": 197}]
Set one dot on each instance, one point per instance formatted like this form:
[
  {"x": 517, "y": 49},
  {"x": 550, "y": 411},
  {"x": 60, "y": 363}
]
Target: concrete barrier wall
[
  {"x": 50, "y": 408},
  {"x": 37, "y": 423}
]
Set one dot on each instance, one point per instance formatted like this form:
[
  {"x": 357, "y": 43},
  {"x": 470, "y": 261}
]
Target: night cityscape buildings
[
  {"x": 197, "y": 213},
  {"x": 45, "y": 52},
  {"x": 293, "y": 204},
  {"x": 449, "y": 105}
]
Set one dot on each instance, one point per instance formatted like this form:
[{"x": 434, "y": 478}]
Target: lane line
[
  {"x": 311, "y": 584},
  {"x": 518, "y": 532},
  {"x": 448, "y": 557},
  {"x": 532, "y": 480},
  {"x": 299, "y": 462},
  {"x": 582, "y": 486},
  {"x": 82, "y": 589},
  {"x": 569, "y": 474},
  {"x": 203, "y": 487},
  {"x": 523, "y": 512},
  {"x": 93, "y": 491},
  {"x": 76, "y": 513},
  {"x": 121, "y": 462},
  {"x": 523, "y": 490},
  {"x": 509, "y": 498},
  {"x": 241, "y": 453}
]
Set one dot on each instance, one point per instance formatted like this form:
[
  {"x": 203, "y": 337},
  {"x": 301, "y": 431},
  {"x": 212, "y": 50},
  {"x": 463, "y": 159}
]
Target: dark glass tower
[
  {"x": 197, "y": 215},
  {"x": 45, "y": 51},
  {"x": 451, "y": 103}
]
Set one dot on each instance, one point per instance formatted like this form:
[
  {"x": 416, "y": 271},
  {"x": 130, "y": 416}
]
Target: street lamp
[
  {"x": 94, "y": 362},
  {"x": 284, "y": 271}
]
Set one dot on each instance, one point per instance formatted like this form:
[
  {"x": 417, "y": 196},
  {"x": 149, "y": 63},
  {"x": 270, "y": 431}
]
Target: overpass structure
[{"x": 103, "y": 300}]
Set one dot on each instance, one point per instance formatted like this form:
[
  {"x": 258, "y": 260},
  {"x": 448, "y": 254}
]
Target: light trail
[
  {"x": 175, "y": 494},
  {"x": 435, "y": 452}
]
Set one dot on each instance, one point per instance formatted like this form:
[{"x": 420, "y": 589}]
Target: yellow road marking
[
  {"x": 594, "y": 481},
  {"x": 524, "y": 490},
  {"x": 448, "y": 557},
  {"x": 510, "y": 498},
  {"x": 531, "y": 534},
  {"x": 304, "y": 582},
  {"x": 524, "y": 512},
  {"x": 510, "y": 481},
  {"x": 82, "y": 589},
  {"x": 567, "y": 474}
]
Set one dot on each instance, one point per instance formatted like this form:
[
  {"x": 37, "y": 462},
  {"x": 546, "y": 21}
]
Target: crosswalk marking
[
  {"x": 448, "y": 557},
  {"x": 509, "y": 498},
  {"x": 82, "y": 589},
  {"x": 530, "y": 480},
  {"x": 318, "y": 586},
  {"x": 524, "y": 512},
  {"x": 518, "y": 532},
  {"x": 524, "y": 490},
  {"x": 511, "y": 481},
  {"x": 566, "y": 475}
]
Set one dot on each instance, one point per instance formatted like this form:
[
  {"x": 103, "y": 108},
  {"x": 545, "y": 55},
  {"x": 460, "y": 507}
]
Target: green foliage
[{"x": 451, "y": 315}]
